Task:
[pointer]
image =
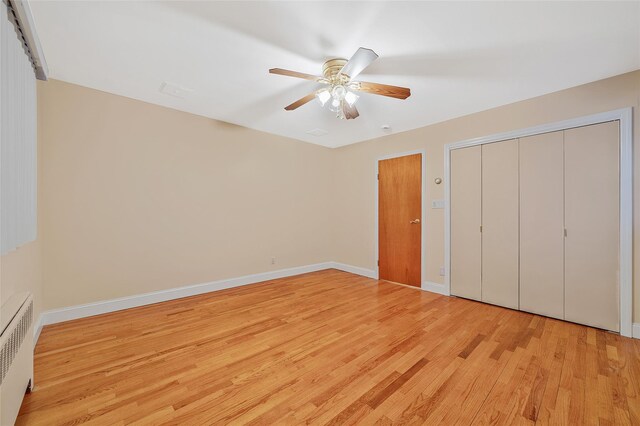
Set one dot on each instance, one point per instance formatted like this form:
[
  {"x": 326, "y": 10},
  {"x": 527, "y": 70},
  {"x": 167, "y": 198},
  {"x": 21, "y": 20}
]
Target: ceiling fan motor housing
[{"x": 332, "y": 67}]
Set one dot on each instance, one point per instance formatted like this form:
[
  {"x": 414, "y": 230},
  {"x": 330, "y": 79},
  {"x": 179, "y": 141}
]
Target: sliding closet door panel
[
  {"x": 465, "y": 222},
  {"x": 542, "y": 225},
  {"x": 592, "y": 222},
  {"x": 500, "y": 223}
]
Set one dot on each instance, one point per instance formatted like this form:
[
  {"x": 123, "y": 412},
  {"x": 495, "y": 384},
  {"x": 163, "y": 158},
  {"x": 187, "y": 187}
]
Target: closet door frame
[{"x": 625, "y": 267}]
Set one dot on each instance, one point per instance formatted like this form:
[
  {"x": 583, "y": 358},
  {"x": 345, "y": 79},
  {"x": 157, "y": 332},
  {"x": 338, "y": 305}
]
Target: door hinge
[
  {"x": 565, "y": 232},
  {"x": 378, "y": 263},
  {"x": 480, "y": 228},
  {"x": 378, "y": 176}
]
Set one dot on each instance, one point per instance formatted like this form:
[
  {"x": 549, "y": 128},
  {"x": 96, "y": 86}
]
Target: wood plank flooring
[{"x": 330, "y": 348}]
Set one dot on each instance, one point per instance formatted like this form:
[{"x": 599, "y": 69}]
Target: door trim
[
  {"x": 624, "y": 115},
  {"x": 423, "y": 196}
]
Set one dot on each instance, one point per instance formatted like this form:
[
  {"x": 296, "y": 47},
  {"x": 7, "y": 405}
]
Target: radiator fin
[{"x": 12, "y": 344}]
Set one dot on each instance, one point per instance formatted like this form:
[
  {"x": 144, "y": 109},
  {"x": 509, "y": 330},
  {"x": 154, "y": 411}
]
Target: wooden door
[
  {"x": 592, "y": 208},
  {"x": 466, "y": 215},
  {"x": 399, "y": 219},
  {"x": 500, "y": 228},
  {"x": 542, "y": 224}
]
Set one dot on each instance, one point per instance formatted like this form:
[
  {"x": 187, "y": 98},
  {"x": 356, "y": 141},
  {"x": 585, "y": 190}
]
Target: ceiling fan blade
[
  {"x": 358, "y": 62},
  {"x": 350, "y": 112},
  {"x": 296, "y": 74},
  {"x": 382, "y": 89},
  {"x": 300, "y": 102}
]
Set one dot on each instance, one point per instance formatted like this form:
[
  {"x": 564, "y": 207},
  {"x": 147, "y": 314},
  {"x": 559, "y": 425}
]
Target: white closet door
[
  {"x": 592, "y": 223},
  {"x": 542, "y": 224},
  {"x": 466, "y": 198},
  {"x": 500, "y": 223}
]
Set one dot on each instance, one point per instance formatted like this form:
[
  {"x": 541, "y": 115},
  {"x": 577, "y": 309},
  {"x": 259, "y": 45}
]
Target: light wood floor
[{"x": 331, "y": 347}]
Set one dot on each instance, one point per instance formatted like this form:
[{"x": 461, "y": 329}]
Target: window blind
[{"x": 18, "y": 146}]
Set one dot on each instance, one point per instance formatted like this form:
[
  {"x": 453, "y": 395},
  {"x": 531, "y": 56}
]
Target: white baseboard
[
  {"x": 37, "y": 329},
  {"x": 106, "y": 306},
  {"x": 354, "y": 270},
  {"x": 434, "y": 288},
  {"x": 427, "y": 285},
  {"x": 81, "y": 311},
  {"x": 90, "y": 309}
]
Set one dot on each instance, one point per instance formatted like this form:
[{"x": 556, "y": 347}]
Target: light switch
[{"x": 437, "y": 204}]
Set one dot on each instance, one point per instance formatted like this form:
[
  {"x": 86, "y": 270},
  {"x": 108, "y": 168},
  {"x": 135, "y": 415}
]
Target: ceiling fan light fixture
[
  {"x": 338, "y": 92},
  {"x": 323, "y": 96},
  {"x": 351, "y": 98},
  {"x": 335, "y": 105}
]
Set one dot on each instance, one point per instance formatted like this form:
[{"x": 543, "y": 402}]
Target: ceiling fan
[{"x": 338, "y": 75}]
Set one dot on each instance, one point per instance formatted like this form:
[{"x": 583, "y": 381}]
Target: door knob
[{"x": 414, "y": 221}]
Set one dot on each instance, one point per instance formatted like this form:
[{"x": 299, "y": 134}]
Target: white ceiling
[{"x": 457, "y": 57}]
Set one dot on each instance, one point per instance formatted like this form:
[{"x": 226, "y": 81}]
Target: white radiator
[{"x": 16, "y": 355}]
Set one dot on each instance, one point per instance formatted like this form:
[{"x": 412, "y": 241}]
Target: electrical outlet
[
  {"x": 273, "y": 260},
  {"x": 442, "y": 271}
]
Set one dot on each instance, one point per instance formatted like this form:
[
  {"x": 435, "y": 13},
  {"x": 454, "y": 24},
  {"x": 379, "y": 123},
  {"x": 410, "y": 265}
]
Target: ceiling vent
[
  {"x": 317, "y": 132},
  {"x": 175, "y": 90}
]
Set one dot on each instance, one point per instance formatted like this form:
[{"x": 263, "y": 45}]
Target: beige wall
[
  {"x": 137, "y": 198},
  {"x": 354, "y": 168}
]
